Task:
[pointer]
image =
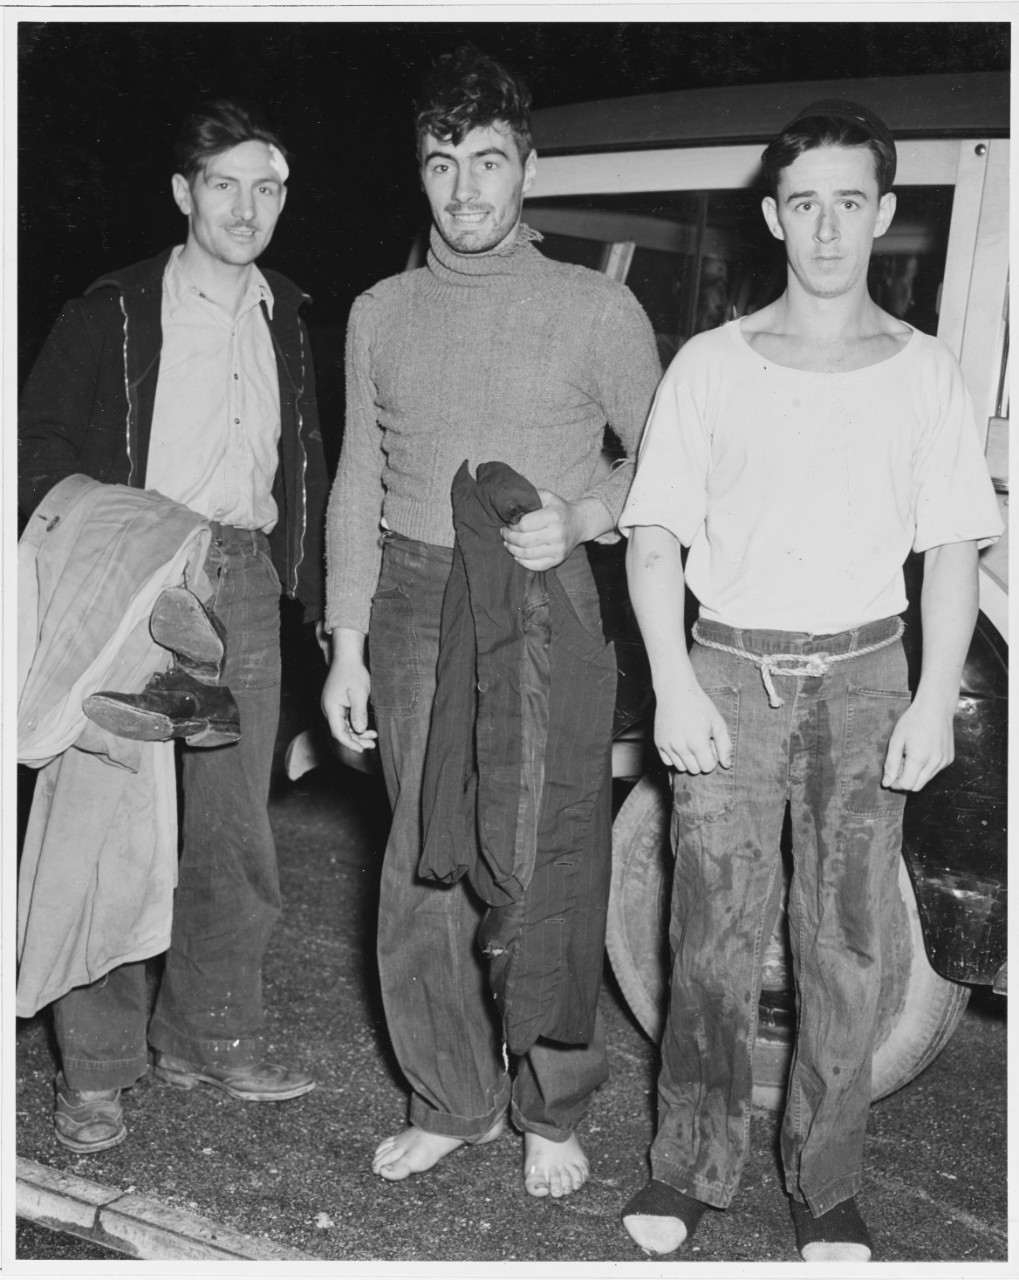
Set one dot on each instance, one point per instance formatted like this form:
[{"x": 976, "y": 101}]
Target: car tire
[{"x": 919, "y": 1009}]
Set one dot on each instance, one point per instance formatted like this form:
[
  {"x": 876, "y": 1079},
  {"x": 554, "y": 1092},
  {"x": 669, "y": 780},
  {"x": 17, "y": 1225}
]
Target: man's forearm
[
  {"x": 690, "y": 733},
  {"x": 948, "y": 609},
  {"x": 592, "y": 518},
  {"x": 654, "y": 575},
  {"x": 348, "y": 644},
  {"x": 610, "y": 492}
]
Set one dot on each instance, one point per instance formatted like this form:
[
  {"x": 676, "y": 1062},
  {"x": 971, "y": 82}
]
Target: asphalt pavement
[{"x": 293, "y": 1181}]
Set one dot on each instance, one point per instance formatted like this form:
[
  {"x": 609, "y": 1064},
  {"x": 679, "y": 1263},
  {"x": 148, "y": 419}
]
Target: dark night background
[{"x": 99, "y": 104}]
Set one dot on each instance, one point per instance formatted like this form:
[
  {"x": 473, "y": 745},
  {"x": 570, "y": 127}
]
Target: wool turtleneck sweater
[{"x": 506, "y": 357}]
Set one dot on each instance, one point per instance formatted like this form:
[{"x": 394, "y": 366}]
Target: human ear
[
  {"x": 530, "y": 170},
  {"x": 770, "y": 210},
  {"x": 885, "y": 213},
  {"x": 181, "y": 193}
]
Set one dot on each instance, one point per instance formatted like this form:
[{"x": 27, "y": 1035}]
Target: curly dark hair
[
  {"x": 215, "y": 126},
  {"x": 467, "y": 90}
]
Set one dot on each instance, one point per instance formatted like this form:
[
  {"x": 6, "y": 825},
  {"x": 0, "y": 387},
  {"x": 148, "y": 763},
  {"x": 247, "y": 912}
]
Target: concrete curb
[{"x": 131, "y": 1224}]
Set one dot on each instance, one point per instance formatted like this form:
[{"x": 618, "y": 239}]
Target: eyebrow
[
  {"x": 474, "y": 155},
  {"x": 846, "y": 191},
  {"x": 216, "y": 175}
]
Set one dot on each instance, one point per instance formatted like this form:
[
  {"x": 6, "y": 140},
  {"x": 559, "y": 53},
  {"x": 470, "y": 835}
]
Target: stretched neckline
[{"x": 736, "y": 328}]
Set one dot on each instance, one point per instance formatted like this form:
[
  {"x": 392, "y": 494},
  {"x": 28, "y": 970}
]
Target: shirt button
[
  {"x": 236, "y": 376},
  {"x": 237, "y": 422}
]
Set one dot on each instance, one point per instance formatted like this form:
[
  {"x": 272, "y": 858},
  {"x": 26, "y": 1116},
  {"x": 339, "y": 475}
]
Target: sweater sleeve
[
  {"x": 353, "y": 548},
  {"x": 55, "y": 408},
  {"x": 626, "y": 372}
]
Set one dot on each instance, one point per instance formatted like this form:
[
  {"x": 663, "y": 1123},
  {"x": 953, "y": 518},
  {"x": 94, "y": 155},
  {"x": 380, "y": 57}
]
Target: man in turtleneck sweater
[{"x": 490, "y": 352}]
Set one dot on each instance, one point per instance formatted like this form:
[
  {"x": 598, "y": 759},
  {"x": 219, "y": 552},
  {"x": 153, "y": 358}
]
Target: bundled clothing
[
  {"x": 99, "y": 864},
  {"x": 518, "y": 771}
]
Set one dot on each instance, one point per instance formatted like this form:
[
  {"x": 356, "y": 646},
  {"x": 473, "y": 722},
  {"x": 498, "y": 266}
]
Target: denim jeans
[
  {"x": 209, "y": 1007},
  {"x": 823, "y": 753},
  {"x": 438, "y": 1007}
]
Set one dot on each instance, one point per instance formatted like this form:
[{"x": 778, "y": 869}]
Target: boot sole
[
  {"x": 178, "y": 622},
  {"x": 216, "y": 734},
  {"x": 134, "y": 722},
  {"x": 85, "y": 1148},
  {"x": 188, "y": 1080}
]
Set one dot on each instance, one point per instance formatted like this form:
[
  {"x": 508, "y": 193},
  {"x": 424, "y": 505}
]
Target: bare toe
[
  {"x": 553, "y": 1169},
  {"x": 412, "y": 1151},
  {"x": 416, "y": 1151}
]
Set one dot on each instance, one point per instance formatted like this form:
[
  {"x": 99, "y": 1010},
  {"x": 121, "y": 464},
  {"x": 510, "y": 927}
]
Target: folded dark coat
[{"x": 517, "y": 783}]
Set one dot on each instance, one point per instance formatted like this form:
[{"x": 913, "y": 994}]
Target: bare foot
[
  {"x": 553, "y": 1168},
  {"x": 416, "y": 1150}
]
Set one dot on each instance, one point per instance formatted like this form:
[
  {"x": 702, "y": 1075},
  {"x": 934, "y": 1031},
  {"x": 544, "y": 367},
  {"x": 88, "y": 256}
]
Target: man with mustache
[
  {"x": 190, "y": 374},
  {"x": 491, "y": 352}
]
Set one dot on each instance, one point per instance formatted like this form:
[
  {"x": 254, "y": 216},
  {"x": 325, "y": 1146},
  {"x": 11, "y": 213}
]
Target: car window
[{"x": 695, "y": 259}]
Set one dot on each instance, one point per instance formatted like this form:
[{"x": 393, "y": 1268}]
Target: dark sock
[
  {"x": 841, "y": 1225},
  {"x": 659, "y": 1200}
]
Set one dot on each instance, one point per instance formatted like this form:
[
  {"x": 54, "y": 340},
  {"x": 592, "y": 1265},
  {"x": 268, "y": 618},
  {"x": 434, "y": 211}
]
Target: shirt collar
[{"x": 178, "y": 288}]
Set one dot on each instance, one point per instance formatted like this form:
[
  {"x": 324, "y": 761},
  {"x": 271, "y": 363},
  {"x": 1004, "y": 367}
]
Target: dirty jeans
[
  {"x": 822, "y": 752},
  {"x": 438, "y": 1007},
  {"x": 209, "y": 1007}
]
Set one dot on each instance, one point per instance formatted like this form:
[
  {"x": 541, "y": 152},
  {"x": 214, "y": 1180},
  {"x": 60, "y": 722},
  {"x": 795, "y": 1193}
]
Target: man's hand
[
  {"x": 544, "y": 538},
  {"x": 923, "y": 741},
  {"x": 921, "y": 745},
  {"x": 690, "y": 732},
  {"x": 345, "y": 693}
]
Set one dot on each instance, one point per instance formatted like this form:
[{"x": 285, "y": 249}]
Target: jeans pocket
[
  {"x": 706, "y": 797},
  {"x": 393, "y": 652},
  {"x": 871, "y": 715},
  {"x": 271, "y": 570}
]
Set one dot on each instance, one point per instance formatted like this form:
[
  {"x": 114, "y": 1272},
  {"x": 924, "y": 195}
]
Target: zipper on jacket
[
  {"x": 303, "y": 463},
  {"x": 129, "y": 397},
  {"x": 294, "y": 545}
]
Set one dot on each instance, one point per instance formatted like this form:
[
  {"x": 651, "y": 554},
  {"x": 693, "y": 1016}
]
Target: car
[{"x": 661, "y": 192}]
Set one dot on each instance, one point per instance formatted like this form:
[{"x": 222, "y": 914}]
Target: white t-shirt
[{"x": 801, "y": 494}]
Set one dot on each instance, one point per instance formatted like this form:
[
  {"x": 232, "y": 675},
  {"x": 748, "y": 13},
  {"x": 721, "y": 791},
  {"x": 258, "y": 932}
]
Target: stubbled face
[
  {"x": 232, "y": 204},
  {"x": 476, "y": 188},
  {"x": 828, "y": 212}
]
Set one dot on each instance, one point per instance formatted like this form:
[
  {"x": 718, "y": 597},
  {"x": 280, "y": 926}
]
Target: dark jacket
[
  {"x": 88, "y": 402},
  {"x": 517, "y": 781}
]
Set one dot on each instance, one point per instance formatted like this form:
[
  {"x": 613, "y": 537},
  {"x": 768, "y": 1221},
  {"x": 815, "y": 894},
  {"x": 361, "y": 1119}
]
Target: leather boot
[
  {"x": 174, "y": 704},
  {"x": 194, "y": 635},
  {"x": 87, "y": 1121},
  {"x": 259, "y": 1082}
]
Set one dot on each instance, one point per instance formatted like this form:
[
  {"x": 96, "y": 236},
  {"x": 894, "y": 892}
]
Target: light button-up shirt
[{"x": 216, "y": 421}]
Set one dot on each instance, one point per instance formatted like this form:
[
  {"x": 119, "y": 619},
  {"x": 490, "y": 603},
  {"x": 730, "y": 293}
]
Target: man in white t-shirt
[{"x": 800, "y": 453}]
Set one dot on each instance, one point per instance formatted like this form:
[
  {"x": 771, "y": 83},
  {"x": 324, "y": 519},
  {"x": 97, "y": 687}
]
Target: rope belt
[{"x": 807, "y": 664}]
